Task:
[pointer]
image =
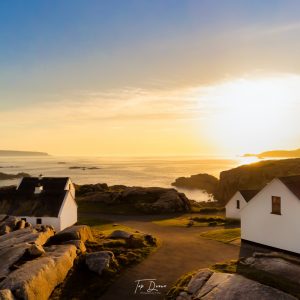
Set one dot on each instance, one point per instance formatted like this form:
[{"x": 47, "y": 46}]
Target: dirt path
[{"x": 182, "y": 251}]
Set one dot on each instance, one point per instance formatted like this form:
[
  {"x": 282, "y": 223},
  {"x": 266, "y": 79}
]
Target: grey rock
[
  {"x": 198, "y": 280},
  {"x": 120, "y": 234},
  {"x": 221, "y": 286},
  {"x": 98, "y": 261}
]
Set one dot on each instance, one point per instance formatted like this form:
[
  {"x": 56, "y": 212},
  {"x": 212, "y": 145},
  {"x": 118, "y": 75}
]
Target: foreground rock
[
  {"x": 36, "y": 279},
  {"x": 146, "y": 200},
  {"x": 6, "y": 295},
  {"x": 208, "y": 285},
  {"x": 15, "y": 245},
  {"x": 99, "y": 261},
  {"x": 77, "y": 232}
]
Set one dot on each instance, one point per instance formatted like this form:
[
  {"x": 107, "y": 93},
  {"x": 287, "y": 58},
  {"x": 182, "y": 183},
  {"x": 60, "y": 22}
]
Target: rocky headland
[
  {"x": 140, "y": 199},
  {"x": 252, "y": 176},
  {"x": 4, "y": 176}
]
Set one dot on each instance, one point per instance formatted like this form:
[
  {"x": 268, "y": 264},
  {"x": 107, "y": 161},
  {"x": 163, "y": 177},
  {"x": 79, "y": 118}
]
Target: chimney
[{"x": 39, "y": 188}]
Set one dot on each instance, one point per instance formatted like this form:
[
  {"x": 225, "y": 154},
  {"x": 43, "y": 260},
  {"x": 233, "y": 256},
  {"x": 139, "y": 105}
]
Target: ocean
[{"x": 146, "y": 171}]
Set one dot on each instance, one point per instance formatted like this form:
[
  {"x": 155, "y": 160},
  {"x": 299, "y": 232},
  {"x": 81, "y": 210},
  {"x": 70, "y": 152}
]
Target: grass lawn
[
  {"x": 196, "y": 221},
  {"x": 223, "y": 235}
]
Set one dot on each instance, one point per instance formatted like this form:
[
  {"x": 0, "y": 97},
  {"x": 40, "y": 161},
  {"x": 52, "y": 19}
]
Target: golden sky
[{"x": 149, "y": 77}]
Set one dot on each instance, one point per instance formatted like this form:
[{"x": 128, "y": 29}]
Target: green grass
[
  {"x": 223, "y": 235},
  {"x": 198, "y": 221},
  {"x": 226, "y": 267}
]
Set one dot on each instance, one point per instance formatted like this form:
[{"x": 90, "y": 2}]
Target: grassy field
[
  {"x": 202, "y": 220},
  {"x": 223, "y": 235}
]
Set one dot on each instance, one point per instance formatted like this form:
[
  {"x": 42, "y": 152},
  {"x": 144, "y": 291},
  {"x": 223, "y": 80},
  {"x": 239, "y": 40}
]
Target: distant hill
[
  {"x": 276, "y": 153},
  {"x": 21, "y": 153}
]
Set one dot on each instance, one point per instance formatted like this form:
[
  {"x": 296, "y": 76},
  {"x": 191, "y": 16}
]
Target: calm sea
[{"x": 146, "y": 171}]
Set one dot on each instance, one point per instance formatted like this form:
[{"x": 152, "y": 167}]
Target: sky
[{"x": 139, "y": 78}]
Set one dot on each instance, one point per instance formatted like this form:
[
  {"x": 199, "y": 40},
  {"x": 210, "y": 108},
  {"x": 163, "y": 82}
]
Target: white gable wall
[
  {"x": 231, "y": 208},
  {"x": 68, "y": 212},
  {"x": 259, "y": 225}
]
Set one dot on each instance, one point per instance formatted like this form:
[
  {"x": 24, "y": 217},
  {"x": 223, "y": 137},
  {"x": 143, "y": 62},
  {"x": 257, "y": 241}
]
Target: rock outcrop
[
  {"x": 141, "y": 199},
  {"x": 15, "y": 245},
  {"x": 36, "y": 279},
  {"x": 208, "y": 285},
  {"x": 99, "y": 261},
  {"x": 205, "y": 182},
  {"x": 77, "y": 232}
]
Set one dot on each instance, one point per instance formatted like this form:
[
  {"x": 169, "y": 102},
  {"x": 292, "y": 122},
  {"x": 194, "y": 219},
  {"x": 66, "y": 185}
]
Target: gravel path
[{"x": 182, "y": 251}]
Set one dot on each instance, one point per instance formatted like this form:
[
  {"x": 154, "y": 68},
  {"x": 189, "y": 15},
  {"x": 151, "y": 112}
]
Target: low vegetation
[
  {"x": 81, "y": 283},
  {"x": 197, "y": 221},
  {"x": 179, "y": 285},
  {"x": 223, "y": 235}
]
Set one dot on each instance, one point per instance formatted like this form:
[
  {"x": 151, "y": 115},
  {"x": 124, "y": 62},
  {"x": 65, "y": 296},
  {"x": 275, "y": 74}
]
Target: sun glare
[{"x": 253, "y": 114}]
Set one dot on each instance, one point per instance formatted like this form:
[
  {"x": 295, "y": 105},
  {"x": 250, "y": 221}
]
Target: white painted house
[
  {"x": 237, "y": 202},
  {"x": 272, "y": 217},
  {"x": 42, "y": 200}
]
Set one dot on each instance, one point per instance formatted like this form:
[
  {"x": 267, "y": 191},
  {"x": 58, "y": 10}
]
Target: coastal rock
[
  {"x": 146, "y": 200},
  {"x": 36, "y": 279},
  {"x": 78, "y": 244},
  {"x": 209, "y": 285},
  {"x": 77, "y": 232},
  {"x": 14, "y": 245},
  {"x": 99, "y": 261},
  {"x": 35, "y": 250},
  {"x": 120, "y": 234},
  {"x": 6, "y": 295},
  {"x": 232, "y": 286},
  {"x": 198, "y": 280}
]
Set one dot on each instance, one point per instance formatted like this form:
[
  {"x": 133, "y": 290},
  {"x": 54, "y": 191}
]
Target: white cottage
[
  {"x": 237, "y": 202},
  {"x": 272, "y": 217},
  {"x": 43, "y": 200}
]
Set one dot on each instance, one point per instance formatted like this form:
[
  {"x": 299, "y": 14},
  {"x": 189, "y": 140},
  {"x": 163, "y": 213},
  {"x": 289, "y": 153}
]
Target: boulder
[
  {"x": 222, "y": 286},
  {"x": 4, "y": 229},
  {"x": 14, "y": 245},
  {"x": 36, "y": 279},
  {"x": 99, "y": 261},
  {"x": 20, "y": 224},
  {"x": 35, "y": 250},
  {"x": 77, "y": 232},
  {"x": 120, "y": 234},
  {"x": 198, "y": 280},
  {"x": 78, "y": 244},
  {"x": 6, "y": 295}
]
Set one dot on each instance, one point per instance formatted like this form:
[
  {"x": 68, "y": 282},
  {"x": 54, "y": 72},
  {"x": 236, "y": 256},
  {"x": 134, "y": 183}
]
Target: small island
[
  {"x": 22, "y": 153},
  {"x": 276, "y": 154}
]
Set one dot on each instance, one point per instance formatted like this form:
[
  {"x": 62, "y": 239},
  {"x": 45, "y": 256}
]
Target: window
[
  {"x": 276, "y": 205},
  {"x": 238, "y": 204},
  {"x": 38, "y": 221}
]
